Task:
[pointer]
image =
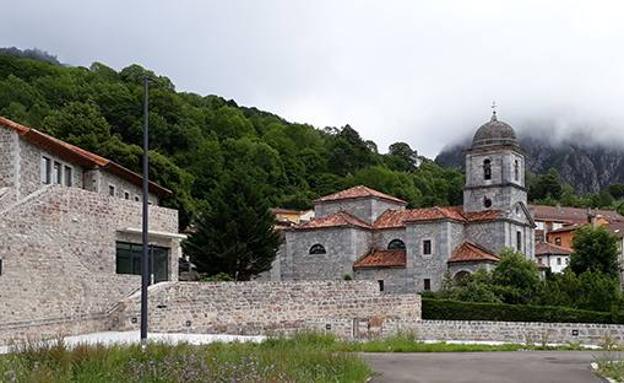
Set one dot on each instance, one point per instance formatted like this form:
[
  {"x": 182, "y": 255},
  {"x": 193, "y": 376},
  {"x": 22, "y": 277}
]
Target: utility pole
[{"x": 145, "y": 270}]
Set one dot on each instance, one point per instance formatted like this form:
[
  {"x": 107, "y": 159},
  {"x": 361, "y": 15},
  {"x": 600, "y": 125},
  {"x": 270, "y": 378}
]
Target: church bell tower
[{"x": 495, "y": 178}]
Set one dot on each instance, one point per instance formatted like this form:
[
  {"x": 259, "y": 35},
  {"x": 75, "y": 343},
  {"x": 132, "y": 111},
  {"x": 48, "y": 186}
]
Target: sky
[{"x": 421, "y": 72}]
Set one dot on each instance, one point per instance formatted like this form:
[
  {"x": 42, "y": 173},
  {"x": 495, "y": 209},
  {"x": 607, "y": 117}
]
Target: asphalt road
[{"x": 484, "y": 367}]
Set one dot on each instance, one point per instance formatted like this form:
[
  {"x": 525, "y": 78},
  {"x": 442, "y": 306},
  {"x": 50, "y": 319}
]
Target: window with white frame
[
  {"x": 46, "y": 170},
  {"x": 58, "y": 173}
]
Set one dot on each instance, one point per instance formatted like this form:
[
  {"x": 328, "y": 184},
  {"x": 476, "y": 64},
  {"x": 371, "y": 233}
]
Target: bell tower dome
[{"x": 495, "y": 164}]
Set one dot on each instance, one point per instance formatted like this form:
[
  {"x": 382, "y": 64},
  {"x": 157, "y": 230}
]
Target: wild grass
[{"x": 303, "y": 358}]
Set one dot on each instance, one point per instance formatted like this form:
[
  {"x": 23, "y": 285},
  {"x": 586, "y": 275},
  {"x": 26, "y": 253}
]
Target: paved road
[{"x": 484, "y": 367}]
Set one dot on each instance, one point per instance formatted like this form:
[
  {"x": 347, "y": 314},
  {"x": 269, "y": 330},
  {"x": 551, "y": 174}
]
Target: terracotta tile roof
[
  {"x": 381, "y": 259},
  {"x": 566, "y": 228},
  {"x": 471, "y": 252},
  {"x": 339, "y": 219},
  {"x": 398, "y": 218},
  {"x": 616, "y": 228},
  {"x": 570, "y": 214},
  {"x": 74, "y": 154},
  {"x": 545, "y": 248},
  {"x": 359, "y": 191}
]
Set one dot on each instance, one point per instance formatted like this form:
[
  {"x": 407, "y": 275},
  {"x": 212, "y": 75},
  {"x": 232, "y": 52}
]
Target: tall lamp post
[{"x": 145, "y": 277}]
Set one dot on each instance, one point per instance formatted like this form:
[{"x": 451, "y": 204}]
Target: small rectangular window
[
  {"x": 126, "y": 195},
  {"x": 558, "y": 241},
  {"x": 0, "y": 266},
  {"x": 558, "y": 260},
  {"x": 519, "y": 240},
  {"x": 58, "y": 173},
  {"x": 427, "y": 247},
  {"x": 46, "y": 170},
  {"x": 427, "y": 284},
  {"x": 68, "y": 176},
  {"x": 381, "y": 284},
  {"x": 136, "y": 198},
  {"x": 111, "y": 190}
]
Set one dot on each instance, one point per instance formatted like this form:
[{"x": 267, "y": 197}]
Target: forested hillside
[{"x": 197, "y": 141}]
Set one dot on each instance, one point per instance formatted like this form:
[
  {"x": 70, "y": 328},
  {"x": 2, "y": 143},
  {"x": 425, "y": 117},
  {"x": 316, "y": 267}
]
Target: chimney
[{"x": 591, "y": 217}]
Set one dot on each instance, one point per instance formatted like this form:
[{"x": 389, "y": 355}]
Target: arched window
[
  {"x": 461, "y": 275},
  {"x": 487, "y": 169},
  {"x": 487, "y": 202},
  {"x": 516, "y": 170},
  {"x": 396, "y": 244},
  {"x": 317, "y": 249}
]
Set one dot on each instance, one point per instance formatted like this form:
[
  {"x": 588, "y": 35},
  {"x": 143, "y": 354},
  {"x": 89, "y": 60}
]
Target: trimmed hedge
[{"x": 443, "y": 309}]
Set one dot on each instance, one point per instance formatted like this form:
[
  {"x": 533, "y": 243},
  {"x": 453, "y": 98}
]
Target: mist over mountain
[{"x": 585, "y": 161}]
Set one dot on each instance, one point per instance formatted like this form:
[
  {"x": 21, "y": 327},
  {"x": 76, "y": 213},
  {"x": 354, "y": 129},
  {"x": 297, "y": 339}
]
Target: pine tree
[{"x": 235, "y": 235}]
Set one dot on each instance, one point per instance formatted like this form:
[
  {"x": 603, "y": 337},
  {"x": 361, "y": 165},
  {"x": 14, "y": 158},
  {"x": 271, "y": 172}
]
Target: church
[{"x": 361, "y": 233}]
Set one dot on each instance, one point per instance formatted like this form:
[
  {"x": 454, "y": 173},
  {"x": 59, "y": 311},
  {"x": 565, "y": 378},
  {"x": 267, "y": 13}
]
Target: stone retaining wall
[
  {"x": 348, "y": 309},
  {"x": 519, "y": 332}
]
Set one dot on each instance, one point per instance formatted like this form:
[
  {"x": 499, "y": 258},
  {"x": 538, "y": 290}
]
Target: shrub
[{"x": 455, "y": 310}]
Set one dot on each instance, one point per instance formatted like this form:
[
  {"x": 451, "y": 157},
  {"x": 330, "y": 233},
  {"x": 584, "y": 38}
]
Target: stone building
[
  {"x": 70, "y": 222},
  {"x": 362, "y": 233}
]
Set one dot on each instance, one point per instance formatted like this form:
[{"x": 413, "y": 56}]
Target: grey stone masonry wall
[
  {"x": 518, "y": 332},
  {"x": 366, "y": 209},
  {"x": 348, "y": 309},
  {"x": 343, "y": 245},
  {"x": 58, "y": 250},
  {"x": 8, "y": 142},
  {"x": 395, "y": 280}
]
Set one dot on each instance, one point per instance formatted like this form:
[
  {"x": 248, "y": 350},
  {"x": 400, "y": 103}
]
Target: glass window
[
  {"x": 427, "y": 247},
  {"x": 111, "y": 190},
  {"x": 487, "y": 169},
  {"x": 427, "y": 284},
  {"x": 126, "y": 195},
  {"x": 317, "y": 249},
  {"x": 128, "y": 260},
  {"x": 558, "y": 260},
  {"x": 516, "y": 170},
  {"x": 381, "y": 284},
  {"x": 396, "y": 244},
  {"x": 46, "y": 170},
  {"x": 68, "y": 176},
  {"x": 519, "y": 240},
  {"x": 558, "y": 241},
  {"x": 58, "y": 173}
]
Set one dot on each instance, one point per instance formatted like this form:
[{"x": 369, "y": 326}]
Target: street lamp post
[{"x": 145, "y": 256}]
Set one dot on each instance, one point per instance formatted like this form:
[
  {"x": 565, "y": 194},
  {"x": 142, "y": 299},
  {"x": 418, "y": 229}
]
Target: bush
[{"x": 454, "y": 310}]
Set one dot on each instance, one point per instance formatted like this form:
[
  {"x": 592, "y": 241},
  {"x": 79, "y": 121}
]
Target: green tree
[
  {"x": 517, "y": 277},
  {"x": 235, "y": 234},
  {"x": 595, "y": 249},
  {"x": 401, "y": 157},
  {"x": 79, "y": 123},
  {"x": 546, "y": 185}
]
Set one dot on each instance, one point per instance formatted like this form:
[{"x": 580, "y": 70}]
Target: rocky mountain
[{"x": 587, "y": 166}]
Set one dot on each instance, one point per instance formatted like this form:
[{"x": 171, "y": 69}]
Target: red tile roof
[
  {"x": 339, "y": 219},
  {"x": 616, "y": 228},
  {"x": 78, "y": 155},
  {"x": 545, "y": 248},
  {"x": 398, "y": 218},
  {"x": 570, "y": 214},
  {"x": 471, "y": 252},
  {"x": 359, "y": 191},
  {"x": 381, "y": 259}
]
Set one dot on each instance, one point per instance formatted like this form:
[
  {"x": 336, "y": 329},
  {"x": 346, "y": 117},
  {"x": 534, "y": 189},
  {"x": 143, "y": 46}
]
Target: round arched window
[
  {"x": 396, "y": 244},
  {"x": 317, "y": 249},
  {"x": 487, "y": 202},
  {"x": 461, "y": 275}
]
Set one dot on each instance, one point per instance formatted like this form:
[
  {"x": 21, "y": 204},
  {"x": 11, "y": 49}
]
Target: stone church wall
[
  {"x": 348, "y": 309},
  {"x": 366, "y": 209},
  {"x": 343, "y": 245}
]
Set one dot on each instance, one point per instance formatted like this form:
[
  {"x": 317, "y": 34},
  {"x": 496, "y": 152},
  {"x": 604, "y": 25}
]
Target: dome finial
[{"x": 494, "y": 111}]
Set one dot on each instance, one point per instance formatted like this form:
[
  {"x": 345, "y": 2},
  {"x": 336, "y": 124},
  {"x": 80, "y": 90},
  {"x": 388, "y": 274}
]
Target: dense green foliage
[
  {"x": 595, "y": 249},
  {"x": 198, "y": 141},
  {"x": 516, "y": 280},
  {"x": 303, "y": 358},
  {"x": 444, "y": 309}
]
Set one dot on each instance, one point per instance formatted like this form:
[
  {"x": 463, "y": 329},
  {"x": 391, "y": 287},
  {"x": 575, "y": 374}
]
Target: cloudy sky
[{"x": 423, "y": 72}]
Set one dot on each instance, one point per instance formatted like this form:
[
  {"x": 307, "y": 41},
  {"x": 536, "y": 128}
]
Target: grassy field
[{"x": 304, "y": 358}]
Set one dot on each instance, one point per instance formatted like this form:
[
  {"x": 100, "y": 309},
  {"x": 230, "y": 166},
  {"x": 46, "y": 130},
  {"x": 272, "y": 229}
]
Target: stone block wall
[
  {"x": 58, "y": 251},
  {"x": 348, "y": 309},
  {"x": 518, "y": 332}
]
